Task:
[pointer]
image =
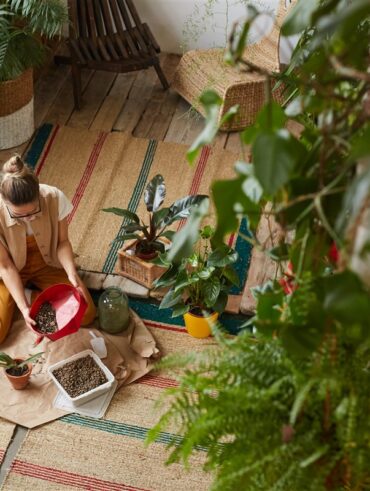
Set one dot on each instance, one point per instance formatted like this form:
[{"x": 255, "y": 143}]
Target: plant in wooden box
[
  {"x": 148, "y": 239},
  {"x": 200, "y": 276},
  {"x": 17, "y": 370},
  {"x": 24, "y": 25}
]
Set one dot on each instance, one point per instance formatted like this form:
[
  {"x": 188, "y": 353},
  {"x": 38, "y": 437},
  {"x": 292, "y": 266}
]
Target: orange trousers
[{"x": 40, "y": 275}]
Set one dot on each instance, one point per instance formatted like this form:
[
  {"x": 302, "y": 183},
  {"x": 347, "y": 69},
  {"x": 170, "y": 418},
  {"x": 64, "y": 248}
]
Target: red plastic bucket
[{"x": 69, "y": 306}]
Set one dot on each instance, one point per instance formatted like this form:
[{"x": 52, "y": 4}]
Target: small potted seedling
[
  {"x": 149, "y": 238},
  {"x": 18, "y": 370}
]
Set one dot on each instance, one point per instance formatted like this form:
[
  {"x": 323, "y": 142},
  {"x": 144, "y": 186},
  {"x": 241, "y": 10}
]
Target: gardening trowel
[{"x": 98, "y": 345}]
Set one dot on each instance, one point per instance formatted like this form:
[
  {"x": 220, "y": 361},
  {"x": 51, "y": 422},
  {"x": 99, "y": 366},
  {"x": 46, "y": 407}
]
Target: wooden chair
[
  {"x": 109, "y": 35},
  {"x": 203, "y": 69}
]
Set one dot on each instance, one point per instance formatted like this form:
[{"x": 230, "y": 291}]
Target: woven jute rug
[
  {"x": 108, "y": 454},
  {"x": 6, "y": 432},
  {"x": 99, "y": 170}
]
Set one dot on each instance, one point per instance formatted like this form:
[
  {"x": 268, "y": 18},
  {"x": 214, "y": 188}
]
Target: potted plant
[
  {"x": 150, "y": 238},
  {"x": 199, "y": 283},
  {"x": 23, "y": 28},
  {"x": 18, "y": 370}
]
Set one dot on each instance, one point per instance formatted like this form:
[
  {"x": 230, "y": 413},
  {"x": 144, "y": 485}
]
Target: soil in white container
[
  {"x": 80, "y": 376},
  {"x": 46, "y": 319}
]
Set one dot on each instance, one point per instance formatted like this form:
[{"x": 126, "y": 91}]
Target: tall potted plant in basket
[
  {"x": 24, "y": 25},
  {"x": 149, "y": 238}
]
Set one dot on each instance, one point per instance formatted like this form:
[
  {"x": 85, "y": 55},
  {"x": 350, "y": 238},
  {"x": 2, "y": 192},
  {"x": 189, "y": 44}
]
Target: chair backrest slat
[
  {"x": 107, "y": 16},
  {"x": 125, "y": 14},
  {"x": 99, "y": 20},
  {"x": 91, "y": 20},
  {"x": 116, "y": 16}
]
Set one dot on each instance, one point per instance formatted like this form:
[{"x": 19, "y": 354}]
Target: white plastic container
[{"x": 91, "y": 394}]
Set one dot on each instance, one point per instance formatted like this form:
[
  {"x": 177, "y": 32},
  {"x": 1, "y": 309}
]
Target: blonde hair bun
[{"x": 14, "y": 165}]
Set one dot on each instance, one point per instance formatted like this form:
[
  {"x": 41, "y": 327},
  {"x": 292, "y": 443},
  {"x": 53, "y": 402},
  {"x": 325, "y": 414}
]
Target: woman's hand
[
  {"x": 26, "y": 315},
  {"x": 77, "y": 283}
]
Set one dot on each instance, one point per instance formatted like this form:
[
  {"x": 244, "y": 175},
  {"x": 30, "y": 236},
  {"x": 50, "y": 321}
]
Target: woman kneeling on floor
[{"x": 34, "y": 244}]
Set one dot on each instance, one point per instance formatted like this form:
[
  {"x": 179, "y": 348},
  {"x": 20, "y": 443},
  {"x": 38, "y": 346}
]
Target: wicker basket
[
  {"x": 136, "y": 269},
  {"x": 16, "y": 110}
]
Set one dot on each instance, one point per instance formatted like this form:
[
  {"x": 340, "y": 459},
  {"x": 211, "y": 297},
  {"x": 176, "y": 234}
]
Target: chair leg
[
  {"x": 76, "y": 80},
  {"x": 161, "y": 76}
]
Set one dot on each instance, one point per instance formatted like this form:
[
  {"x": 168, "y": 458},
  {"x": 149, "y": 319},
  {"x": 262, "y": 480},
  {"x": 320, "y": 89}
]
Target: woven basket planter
[
  {"x": 136, "y": 269},
  {"x": 16, "y": 110}
]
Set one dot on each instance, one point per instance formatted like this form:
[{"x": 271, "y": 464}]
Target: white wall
[{"x": 180, "y": 25}]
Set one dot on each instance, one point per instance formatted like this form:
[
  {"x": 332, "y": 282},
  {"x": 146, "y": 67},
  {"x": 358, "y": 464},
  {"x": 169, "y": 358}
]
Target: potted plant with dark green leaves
[
  {"x": 18, "y": 370},
  {"x": 148, "y": 238},
  {"x": 199, "y": 283},
  {"x": 24, "y": 27}
]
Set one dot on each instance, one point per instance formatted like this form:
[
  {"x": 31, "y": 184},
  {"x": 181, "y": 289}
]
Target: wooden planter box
[{"x": 136, "y": 269}]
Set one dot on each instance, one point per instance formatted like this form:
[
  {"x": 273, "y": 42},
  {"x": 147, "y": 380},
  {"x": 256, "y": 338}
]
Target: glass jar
[{"x": 113, "y": 310}]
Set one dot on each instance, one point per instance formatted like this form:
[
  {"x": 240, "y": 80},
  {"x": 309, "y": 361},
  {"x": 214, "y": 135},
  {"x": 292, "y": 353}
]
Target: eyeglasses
[{"x": 27, "y": 215}]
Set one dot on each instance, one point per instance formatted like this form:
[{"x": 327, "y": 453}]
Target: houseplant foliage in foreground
[
  {"x": 22, "y": 24},
  {"x": 286, "y": 409}
]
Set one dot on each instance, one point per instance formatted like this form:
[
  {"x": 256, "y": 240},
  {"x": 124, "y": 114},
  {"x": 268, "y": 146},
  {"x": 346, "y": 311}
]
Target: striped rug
[
  {"x": 99, "y": 170},
  {"x": 77, "y": 452},
  {"x": 6, "y": 433}
]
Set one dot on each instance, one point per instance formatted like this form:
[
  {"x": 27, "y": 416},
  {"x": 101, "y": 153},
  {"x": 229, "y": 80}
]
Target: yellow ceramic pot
[{"x": 199, "y": 326}]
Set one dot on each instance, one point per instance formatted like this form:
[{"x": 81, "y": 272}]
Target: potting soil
[
  {"x": 46, "y": 319},
  {"x": 80, "y": 376}
]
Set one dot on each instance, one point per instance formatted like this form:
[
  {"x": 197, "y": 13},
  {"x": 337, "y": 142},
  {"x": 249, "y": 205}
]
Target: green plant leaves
[
  {"x": 170, "y": 299},
  {"x": 211, "y": 289},
  {"x": 274, "y": 157},
  {"x": 181, "y": 208},
  {"x": 184, "y": 240},
  {"x": 123, "y": 213},
  {"x": 222, "y": 256},
  {"x": 154, "y": 193},
  {"x": 299, "y": 17},
  {"x": 231, "y": 204}
]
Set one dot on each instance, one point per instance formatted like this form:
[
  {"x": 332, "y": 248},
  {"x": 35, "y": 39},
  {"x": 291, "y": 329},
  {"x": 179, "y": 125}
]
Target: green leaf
[
  {"x": 170, "y": 299},
  {"x": 122, "y": 238},
  {"x": 320, "y": 452},
  {"x": 250, "y": 186},
  {"x": 168, "y": 234},
  {"x": 123, "y": 213},
  {"x": 222, "y": 256},
  {"x": 211, "y": 290},
  {"x": 299, "y": 17},
  {"x": 211, "y": 102},
  {"x": 205, "y": 273},
  {"x": 182, "y": 280},
  {"x": 221, "y": 302},
  {"x": 271, "y": 117},
  {"x": 181, "y": 208},
  {"x": 180, "y": 309},
  {"x": 346, "y": 299},
  {"x": 184, "y": 240},
  {"x": 159, "y": 216},
  {"x": 274, "y": 157},
  {"x": 231, "y": 204},
  {"x": 230, "y": 273},
  {"x": 155, "y": 193},
  {"x": 354, "y": 199},
  {"x": 361, "y": 143},
  {"x": 31, "y": 359},
  {"x": 279, "y": 253},
  {"x": 300, "y": 400},
  {"x": 168, "y": 278}
]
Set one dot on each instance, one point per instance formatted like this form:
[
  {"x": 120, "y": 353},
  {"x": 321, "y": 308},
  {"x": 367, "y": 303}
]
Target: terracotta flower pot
[
  {"x": 20, "y": 382},
  {"x": 198, "y": 326}
]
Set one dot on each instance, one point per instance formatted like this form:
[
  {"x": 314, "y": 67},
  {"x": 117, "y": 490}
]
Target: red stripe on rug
[
  {"x": 197, "y": 178},
  {"x": 47, "y": 150},
  {"x": 87, "y": 173},
  {"x": 230, "y": 242},
  {"x": 157, "y": 381},
  {"x": 68, "y": 478},
  {"x": 166, "y": 327}
]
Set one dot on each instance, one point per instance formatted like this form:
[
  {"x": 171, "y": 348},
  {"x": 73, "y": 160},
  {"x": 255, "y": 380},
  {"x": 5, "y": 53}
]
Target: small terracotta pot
[
  {"x": 21, "y": 381},
  {"x": 198, "y": 326}
]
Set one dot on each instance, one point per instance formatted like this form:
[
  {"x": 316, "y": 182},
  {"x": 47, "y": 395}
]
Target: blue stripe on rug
[
  {"x": 38, "y": 144},
  {"x": 244, "y": 249}
]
